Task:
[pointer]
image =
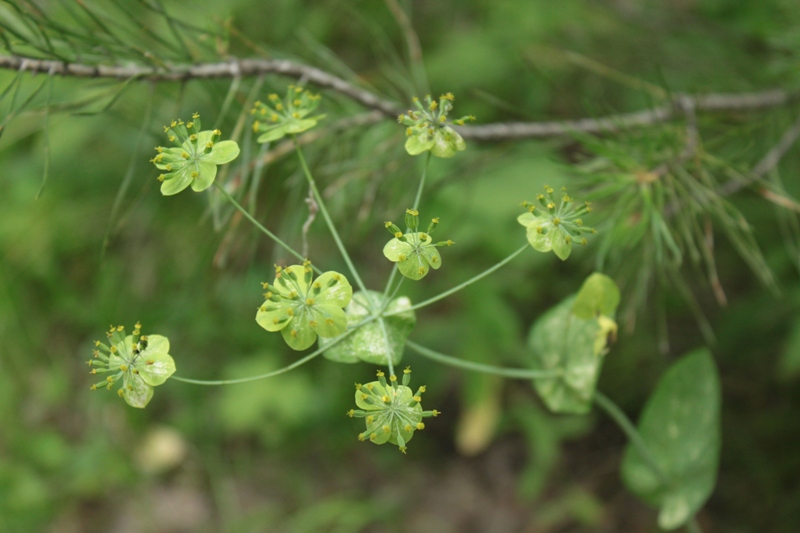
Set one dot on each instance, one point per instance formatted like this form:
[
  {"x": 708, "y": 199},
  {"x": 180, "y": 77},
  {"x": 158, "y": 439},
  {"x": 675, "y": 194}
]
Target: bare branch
[{"x": 488, "y": 132}]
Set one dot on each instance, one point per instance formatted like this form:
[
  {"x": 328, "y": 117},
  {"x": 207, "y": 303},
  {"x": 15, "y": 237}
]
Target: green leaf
[
  {"x": 415, "y": 267},
  {"x": 207, "y": 171},
  {"x": 416, "y": 144},
  {"x": 561, "y": 246},
  {"x": 137, "y": 393},
  {"x": 562, "y": 340},
  {"x": 300, "y": 125},
  {"x": 598, "y": 295},
  {"x": 299, "y": 334},
  {"x": 396, "y": 248},
  {"x": 178, "y": 182},
  {"x": 541, "y": 241},
  {"x": 155, "y": 368},
  {"x": 334, "y": 289},
  {"x": 273, "y": 135},
  {"x": 680, "y": 425},
  {"x": 223, "y": 152},
  {"x": 377, "y": 341},
  {"x": 329, "y": 320}
]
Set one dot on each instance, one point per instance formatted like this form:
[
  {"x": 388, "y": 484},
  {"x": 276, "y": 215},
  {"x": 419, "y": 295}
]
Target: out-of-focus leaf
[{"x": 680, "y": 425}]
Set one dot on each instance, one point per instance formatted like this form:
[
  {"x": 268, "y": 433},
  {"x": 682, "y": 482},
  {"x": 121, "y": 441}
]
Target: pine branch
[{"x": 489, "y": 132}]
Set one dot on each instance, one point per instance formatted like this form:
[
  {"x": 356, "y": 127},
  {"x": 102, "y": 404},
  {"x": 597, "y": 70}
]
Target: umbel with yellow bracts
[{"x": 392, "y": 412}]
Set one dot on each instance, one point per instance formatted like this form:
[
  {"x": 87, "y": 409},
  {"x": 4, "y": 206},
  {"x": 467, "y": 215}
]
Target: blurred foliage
[{"x": 101, "y": 245}]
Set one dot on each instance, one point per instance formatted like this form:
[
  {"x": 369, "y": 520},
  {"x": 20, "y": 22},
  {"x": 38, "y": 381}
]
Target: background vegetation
[{"x": 101, "y": 245}]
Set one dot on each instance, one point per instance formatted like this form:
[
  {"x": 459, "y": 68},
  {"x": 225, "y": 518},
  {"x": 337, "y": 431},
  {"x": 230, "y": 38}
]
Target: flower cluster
[
  {"x": 301, "y": 308},
  {"x": 555, "y": 228},
  {"x": 141, "y": 362},
  {"x": 427, "y": 127},
  {"x": 194, "y": 158},
  {"x": 414, "y": 252},
  {"x": 392, "y": 412},
  {"x": 277, "y": 119}
]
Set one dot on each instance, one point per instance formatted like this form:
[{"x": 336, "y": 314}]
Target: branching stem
[
  {"x": 264, "y": 230},
  {"x": 322, "y": 209},
  {"x": 513, "y": 373},
  {"x": 467, "y": 283}
]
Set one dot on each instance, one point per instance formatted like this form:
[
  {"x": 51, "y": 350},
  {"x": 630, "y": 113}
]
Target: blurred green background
[{"x": 102, "y": 246}]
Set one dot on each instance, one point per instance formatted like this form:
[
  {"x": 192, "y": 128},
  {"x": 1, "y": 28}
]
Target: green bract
[
  {"x": 428, "y": 130},
  {"x": 289, "y": 116},
  {"x": 378, "y": 341},
  {"x": 142, "y": 362},
  {"x": 392, "y": 412},
  {"x": 555, "y": 229},
  {"x": 301, "y": 308},
  {"x": 414, "y": 252},
  {"x": 194, "y": 159}
]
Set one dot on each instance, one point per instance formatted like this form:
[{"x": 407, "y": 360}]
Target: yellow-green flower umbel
[
  {"x": 277, "y": 119},
  {"x": 141, "y": 362},
  {"x": 414, "y": 252},
  {"x": 392, "y": 411},
  {"x": 194, "y": 158},
  {"x": 427, "y": 127},
  {"x": 302, "y": 308},
  {"x": 555, "y": 228}
]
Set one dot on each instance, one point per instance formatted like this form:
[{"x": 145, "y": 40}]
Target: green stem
[
  {"x": 327, "y": 217},
  {"x": 267, "y": 232},
  {"x": 513, "y": 373},
  {"x": 467, "y": 283},
  {"x": 627, "y": 427},
  {"x": 420, "y": 187},
  {"x": 422, "y": 181},
  {"x": 299, "y": 362}
]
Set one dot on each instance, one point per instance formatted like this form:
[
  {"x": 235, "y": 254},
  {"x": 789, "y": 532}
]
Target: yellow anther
[
  {"x": 407, "y": 370},
  {"x": 312, "y": 323},
  {"x": 420, "y": 426},
  {"x": 423, "y": 388},
  {"x": 386, "y": 429},
  {"x": 185, "y": 155},
  {"x": 293, "y": 333},
  {"x": 217, "y": 133},
  {"x": 421, "y": 270},
  {"x": 171, "y": 138},
  {"x": 309, "y": 301},
  {"x": 195, "y": 115},
  {"x": 209, "y": 144},
  {"x": 370, "y": 419},
  {"x": 279, "y": 107},
  {"x": 113, "y": 349},
  {"x": 408, "y": 428},
  {"x": 385, "y": 399},
  {"x": 392, "y": 378},
  {"x": 297, "y": 103},
  {"x": 274, "y": 97},
  {"x": 296, "y": 114},
  {"x": 380, "y": 373},
  {"x": 350, "y": 413},
  {"x": 556, "y": 221},
  {"x": 398, "y": 234},
  {"x": 149, "y": 362},
  {"x": 329, "y": 321},
  {"x": 370, "y": 386},
  {"x": 401, "y": 257},
  {"x": 124, "y": 368},
  {"x": 190, "y": 124},
  {"x": 418, "y": 399}
]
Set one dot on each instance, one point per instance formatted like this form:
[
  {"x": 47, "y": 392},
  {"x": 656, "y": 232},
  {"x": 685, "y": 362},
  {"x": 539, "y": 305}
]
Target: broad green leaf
[
  {"x": 178, "y": 182},
  {"x": 541, "y": 242},
  {"x": 207, "y": 171},
  {"x": 415, "y": 145},
  {"x": 599, "y": 295},
  {"x": 137, "y": 393},
  {"x": 561, "y": 246},
  {"x": 334, "y": 289},
  {"x": 223, "y": 152},
  {"x": 415, "y": 267},
  {"x": 329, "y": 320},
  {"x": 680, "y": 425},
  {"x": 155, "y": 367},
  {"x": 561, "y": 340},
  {"x": 301, "y": 125},
  {"x": 377, "y": 341},
  {"x": 396, "y": 248},
  {"x": 273, "y": 135},
  {"x": 298, "y": 334}
]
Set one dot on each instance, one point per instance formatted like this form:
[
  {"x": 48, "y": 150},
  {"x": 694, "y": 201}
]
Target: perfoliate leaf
[
  {"x": 377, "y": 341},
  {"x": 598, "y": 295},
  {"x": 680, "y": 425},
  {"x": 565, "y": 341}
]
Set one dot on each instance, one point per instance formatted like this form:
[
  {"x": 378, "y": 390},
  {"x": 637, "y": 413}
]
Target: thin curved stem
[
  {"x": 299, "y": 362},
  {"x": 264, "y": 230},
  {"x": 467, "y": 283},
  {"x": 417, "y": 198},
  {"x": 322, "y": 209},
  {"x": 627, "y": 427},
  {"x": 513, "y": 373}
]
